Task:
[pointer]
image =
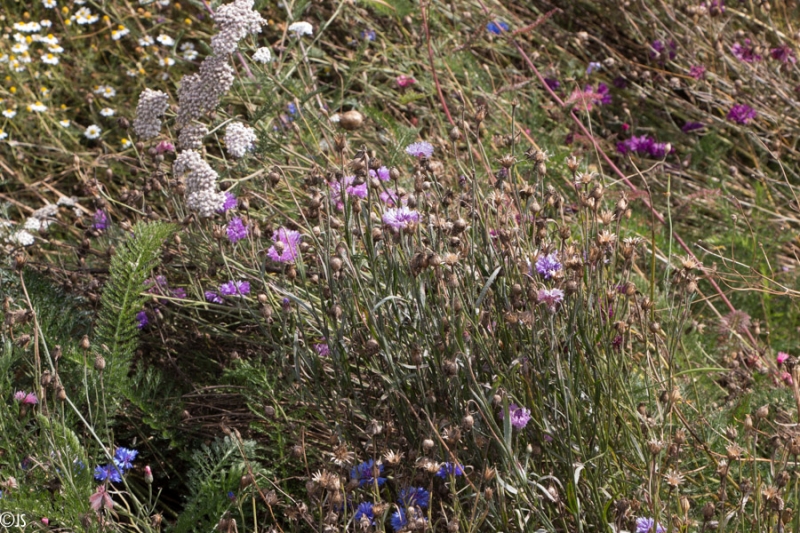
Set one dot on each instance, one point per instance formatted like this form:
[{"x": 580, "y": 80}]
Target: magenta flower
[
  {"x": 519, "y": 416},
  {"x": 782, "y": 357},
  {"x": 19, "y": 395},
  {"x": 236, "y": 230},
  {"x": 589, "y": 97},
  {"x": 100, "y": 220},
  {"x": 30, "y": 399},
  {"x": 389, "y": 197},
  {"x": 322, "y": 349},
  {"x": 786, "y": 377},
  {"x": 644, "y": 145},
  {"x": 235, "y": 288},
  {"x": 551, "y": 298},
  {"x": 741, "y": 113},
  {"x": 697, "y": 72},
  {"x": 285, "y": 249},
  {"x": 381, "y": 174},
  {"x": 420, "y": 149},
  {"x": 213, "y": 297},
  {"x": 784, "y": 54},
  {"x": 400, "y": 217},
  {"x": 745, "y": 52},
  {"x": 404, "y": 81},
  {"x": 165, "y": 146}
]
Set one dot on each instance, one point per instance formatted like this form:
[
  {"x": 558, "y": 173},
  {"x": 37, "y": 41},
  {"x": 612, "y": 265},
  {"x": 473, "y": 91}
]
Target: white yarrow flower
[
  {"x": 301, "y": 28},
  {"x": 22, "y": 238},
  {"x": 263, "y": 55}
]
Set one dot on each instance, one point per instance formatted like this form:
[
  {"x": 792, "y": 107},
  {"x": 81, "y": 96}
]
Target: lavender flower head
[
  {"x": 741, "y": 113},
  {"x": 100, "y": 220},
  {"x": 236, "y": 230},
  {"x": 141, "y": 319},
  {"x": 235, "y": 288},
  {"x": 420, "y": 149},
  {"x": 548, "y": 265},
  {"x": 381, "y": 174},
  {"x": 648, "y": 525},
  {"x": 519, "y": 415},
  {"x": 551, "y": 298},
  {"x": 359, "y": 191},
  {"x": 400, "y": 217},
  {"x": 285, "y": 249}
]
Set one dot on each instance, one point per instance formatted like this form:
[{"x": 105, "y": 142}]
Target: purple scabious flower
[
  {"x": 548, "y": 265},
  {"x": 236, "y": 230},
  {"x": 692, "y": 126},
  {"x": 784, "y": 54},
  {"x": 367, "y": 473},
  {"x": 519, "y": 416},
  {"x": 141, "y": 319},
  {"x": 359, "y": 191},
  {"x": 648, "y": 525},
  {"x": 661, "y": 51},
  {"x": 644, "y": 145},
  {"x": 399, "y": 519},
  {"x": 235, "y": 288},
  {"x": 109, "y": 471},
  {"x": 365, "y": 510},
  {"x": 414, "y": 496},
  {"x": 213, "y": 297},
  {"x": 594, "y": 66},
  {"x": 497, "y": 27},
  {"x": 100, "y": 220},
  {"x": 180, "y": 292},
  {"x": 230, "y": 203},
  {"x": 745, "y": 52},
  {"x": 697, "y": 72},
  {"x": 322, "y": 349},
  {"x": 450, "y": 469},
  {"x": 619, "y": 82},
  {"x": 400, "y": 217},
  {"x": 389, "y": 197},
  {"x": 551, "y": 298},
  {"x": 741, "y": 113},
  {"x": 605, "y": 95},
  {"x": 124, "y": 457},
  {"x": 285, "y": 249},
  {"x": 420, "y": 149},
  {"x": 382, "y": 174}
]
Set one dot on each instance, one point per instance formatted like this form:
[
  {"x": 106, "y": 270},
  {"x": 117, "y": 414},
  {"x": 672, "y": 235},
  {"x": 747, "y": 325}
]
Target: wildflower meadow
[{"x": 399, "y": 266}]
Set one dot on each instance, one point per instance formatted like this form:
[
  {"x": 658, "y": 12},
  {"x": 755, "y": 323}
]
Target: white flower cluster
[
  {"x": 41, "y": 219},
  {"x": 263, "y": 55},
  {"x": 239, "y": 139},
  {"x": 201, "y": 183},
  {"x": 201, "y": 92},
  {"x": 235, "y": 21},
  {"x": 152, "y": 105},
  {"x": 191, "y": 137}
]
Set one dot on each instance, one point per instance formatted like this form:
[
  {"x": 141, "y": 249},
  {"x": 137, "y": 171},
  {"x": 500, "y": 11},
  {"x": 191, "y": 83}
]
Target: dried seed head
[
  {"x": 351, "y": 120},
  {"x": 427, "y": 444},
  {"x": 762, "y": 412},
  {"x": 99, "y": 363}
]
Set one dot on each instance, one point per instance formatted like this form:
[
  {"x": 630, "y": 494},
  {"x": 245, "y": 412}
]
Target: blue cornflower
[
  {"x": 497, "y": 27},
  {"x": 124, "y": 457},
  {"x": 365, "y": 510},
  {"x": 399, "y": 519},
  {"x": 292, "y": 108},
  {"x": 547, "y": 265},
  {"x": 110, "y": 471},
  {"x": 450, "y": 469},
  {"x": 366, "y": 473},
  {"x": 414, "y": 496},
  {"x": 369, "y": 35},
  {"x": 231, "y": 495}
]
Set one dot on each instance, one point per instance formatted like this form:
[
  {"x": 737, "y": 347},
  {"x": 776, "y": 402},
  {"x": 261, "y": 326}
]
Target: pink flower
[
  {"x": 404, "y": 81},
  {"x": 101, "y": 499},
  {"x": 30, "y": 399},
  {"x": 19, "y": 395},
  {"x": 697, "y": 72},
  {"x": 782, "y": 357},
  {"x": 787, "y": 378},
  {"x": 45, "y": 521},
  {"x": 165, "y": 146}
]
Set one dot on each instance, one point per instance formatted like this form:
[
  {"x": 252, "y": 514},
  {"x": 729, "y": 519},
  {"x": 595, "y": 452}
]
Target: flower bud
[{"x": 148, "y": 475}]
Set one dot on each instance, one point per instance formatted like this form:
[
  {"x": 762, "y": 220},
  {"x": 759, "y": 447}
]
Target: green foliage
[{"x": 116, "y": 334}]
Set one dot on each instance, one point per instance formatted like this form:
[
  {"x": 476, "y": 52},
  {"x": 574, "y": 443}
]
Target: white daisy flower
[
  {"x": 64, "y": 123},
  {"x": 165, "y": 40},
  {"x": 120, "y": 32},
  {"x": 55, "y": 49},
  {"x": 263, "y": 55},
  {"x": 46, "y": 23},
  {"x": 106, "y": 91},
  {"x": 50, "y": 39},
  {"x": 187, "y": 46},
  {"x": 49, "y": 4},
  {"x": 132, "y": 72},
  {"x": 107, "y": 112},
  {"x": 18, "y": 38},
  {"x": 50, "y": 59},
  {"x": 190, "y": 55},
  {"x": 3, "y": 135},
  {"x": 166, "y": 62},
  {"x": 301, "y": 28},
  {"x": 9, "y": 113},
  {"x": 25, "y": 58},
  {"x": 19, "y": 48},
  {"x": 16, "y": 66},
  {"x": 37, "y": 107},
  {"x": 92, "y": 132},
  {"x": 146, "y": 41},
  {"x": 125, "y": 142}
]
